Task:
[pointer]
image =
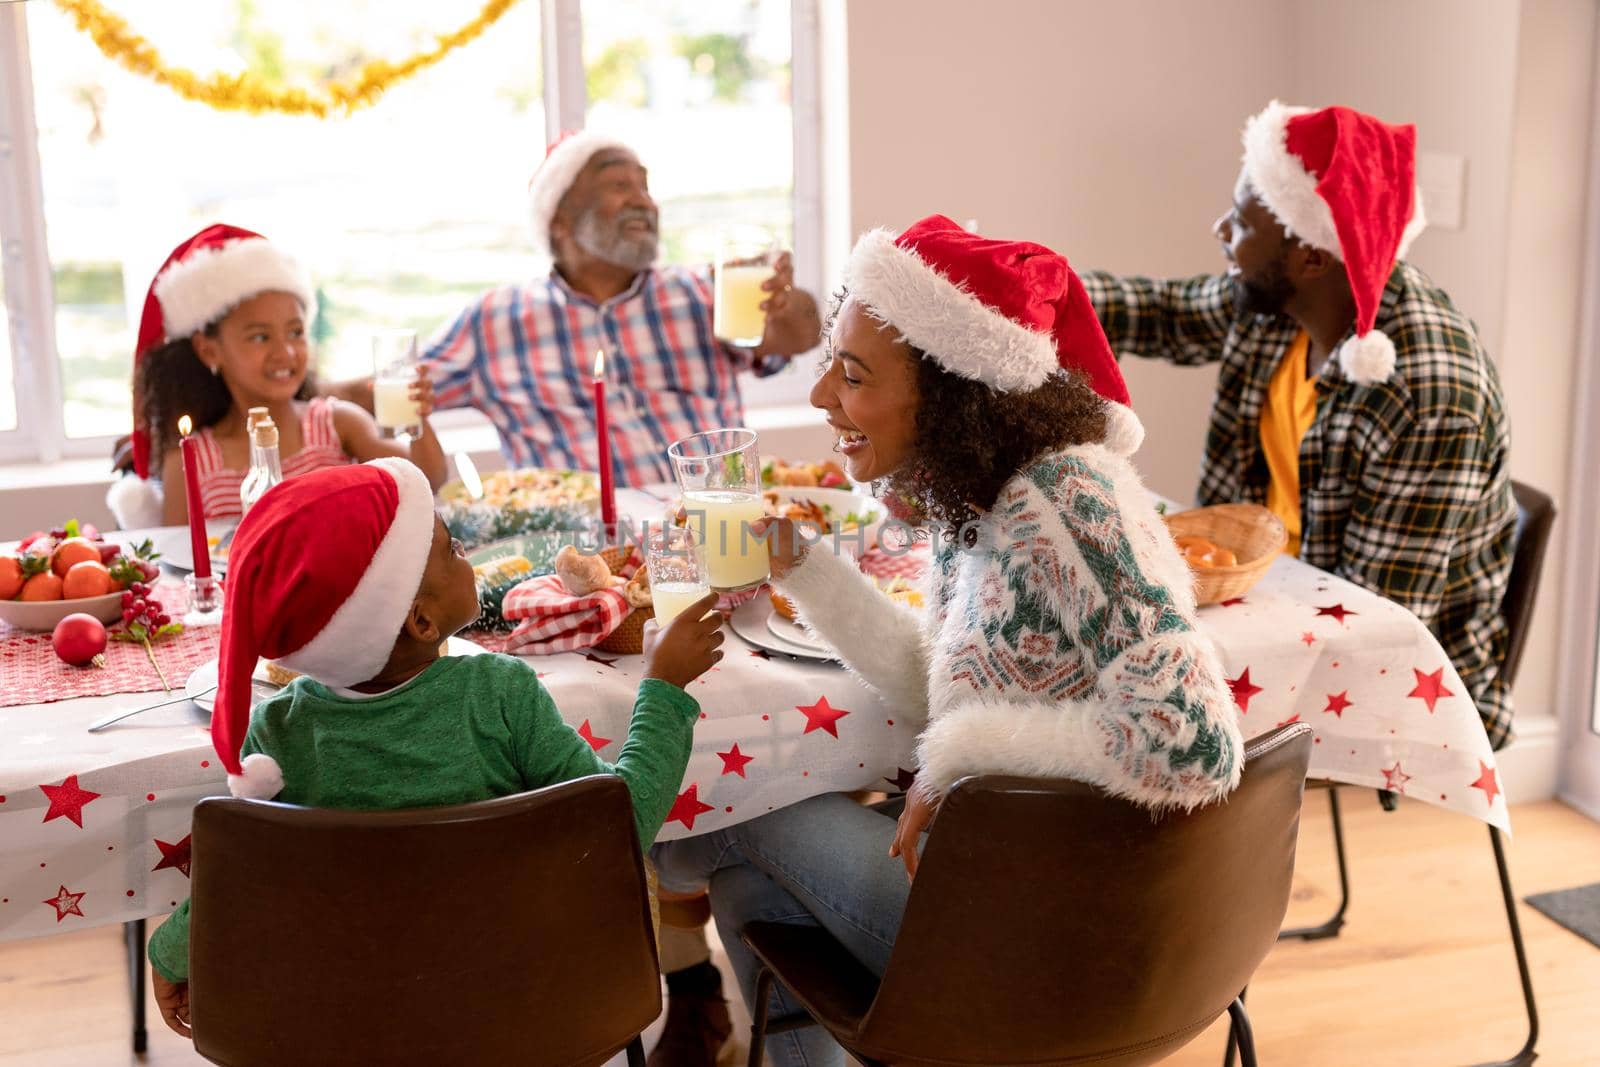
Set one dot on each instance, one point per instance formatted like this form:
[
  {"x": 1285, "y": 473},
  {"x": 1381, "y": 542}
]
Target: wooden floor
[{"x": 1423, "y": 973}]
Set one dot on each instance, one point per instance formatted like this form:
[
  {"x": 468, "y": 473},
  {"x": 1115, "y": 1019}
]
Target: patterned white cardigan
[{"x": 1064, "y": 646}]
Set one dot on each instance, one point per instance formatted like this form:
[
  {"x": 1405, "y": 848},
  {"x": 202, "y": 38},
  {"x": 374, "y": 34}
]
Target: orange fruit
[
  {"x": 73, "y": 550},
  {"x": 89, "y": 578},
  {"x": 10, "y": 577},
  {"x": 41, "y": 587}
]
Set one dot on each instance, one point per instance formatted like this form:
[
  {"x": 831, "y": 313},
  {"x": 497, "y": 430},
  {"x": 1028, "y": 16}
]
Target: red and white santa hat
[
  {"x": 1346, "y": 183},
  {"x": 203, "y": 279},
  {"x": 330, "y": 608},
  {"x": 1006, "y": 313},
  {"x": 566, "y": 156}
]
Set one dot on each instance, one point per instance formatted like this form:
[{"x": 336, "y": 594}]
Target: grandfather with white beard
[{"x": 524, "y": 354}]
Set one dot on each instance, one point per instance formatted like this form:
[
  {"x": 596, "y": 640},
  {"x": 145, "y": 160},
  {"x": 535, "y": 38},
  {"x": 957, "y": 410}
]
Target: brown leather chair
[
  {"x": 514, "y": 930},
  {"x": 1052, "y": 924},
  {"x": 1536, "y": 516}
]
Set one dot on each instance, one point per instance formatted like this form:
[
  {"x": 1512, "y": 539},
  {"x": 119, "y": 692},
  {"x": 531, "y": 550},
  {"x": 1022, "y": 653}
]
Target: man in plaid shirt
[
  {"x": 1353, "y": 398},
  {"x": 524, "y": 354}
]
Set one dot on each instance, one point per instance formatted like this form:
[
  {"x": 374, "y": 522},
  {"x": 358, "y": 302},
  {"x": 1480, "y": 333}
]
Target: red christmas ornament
[{"x": 79, "y": 639}]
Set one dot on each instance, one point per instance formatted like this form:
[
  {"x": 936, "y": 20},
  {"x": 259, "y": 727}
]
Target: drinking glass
[
  {"x": 677, "y": 563},
  {"x": 719, "y": 472},
  {"x": 394, "y": 370},
  {"x": 744, "y": 261}
]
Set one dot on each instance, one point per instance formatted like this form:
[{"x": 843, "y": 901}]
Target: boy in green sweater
[{"x": 348, "y": 577}]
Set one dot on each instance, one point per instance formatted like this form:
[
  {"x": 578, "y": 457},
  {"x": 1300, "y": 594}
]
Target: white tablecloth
[{"x": 94, "y": 828}]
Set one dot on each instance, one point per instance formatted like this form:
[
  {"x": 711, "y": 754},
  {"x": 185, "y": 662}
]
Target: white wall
[{"x": 1110, "y": 132}]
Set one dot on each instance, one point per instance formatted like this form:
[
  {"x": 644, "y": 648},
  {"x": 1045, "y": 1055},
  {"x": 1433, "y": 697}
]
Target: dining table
[{"x": 94, "y": 826}]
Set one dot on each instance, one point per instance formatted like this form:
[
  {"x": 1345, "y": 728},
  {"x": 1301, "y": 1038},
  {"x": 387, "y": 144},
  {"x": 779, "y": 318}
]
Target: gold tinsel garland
[{"x": 246, "y": 92}]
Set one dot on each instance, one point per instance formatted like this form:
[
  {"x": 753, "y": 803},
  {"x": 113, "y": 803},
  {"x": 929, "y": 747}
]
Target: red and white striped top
[{"x": 319, "y": 448}]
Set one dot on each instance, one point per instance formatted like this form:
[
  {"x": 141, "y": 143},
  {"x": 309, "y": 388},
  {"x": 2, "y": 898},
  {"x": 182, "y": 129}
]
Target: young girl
[{"x": 224, "y": 330}]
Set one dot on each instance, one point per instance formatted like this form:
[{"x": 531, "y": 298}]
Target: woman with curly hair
[
  {"x": 970, "y": 378},
  {"x": 225, "y": 329}
]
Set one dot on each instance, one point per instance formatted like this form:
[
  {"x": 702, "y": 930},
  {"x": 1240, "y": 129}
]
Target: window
[
  {"x": 8, "y": 387},
  {"x": 402, "y": 212}
]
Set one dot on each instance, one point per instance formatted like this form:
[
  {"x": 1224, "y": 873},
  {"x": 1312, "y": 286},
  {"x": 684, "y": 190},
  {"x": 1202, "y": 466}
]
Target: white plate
[
  {"x": 749, "y": 621},
  {"x": 201, "y": 686},
  {"x": 790, "y": 632}
]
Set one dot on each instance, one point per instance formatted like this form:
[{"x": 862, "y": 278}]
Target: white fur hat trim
[{"x": 207, "y": 284}]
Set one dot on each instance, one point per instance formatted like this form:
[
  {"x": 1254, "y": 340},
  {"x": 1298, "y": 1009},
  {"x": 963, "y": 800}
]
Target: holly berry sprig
[{"x": 145, "y": 620}]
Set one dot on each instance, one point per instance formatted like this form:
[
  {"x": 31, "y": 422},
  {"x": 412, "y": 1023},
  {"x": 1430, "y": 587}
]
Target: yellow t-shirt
[{"x": 1290, "y": 409}]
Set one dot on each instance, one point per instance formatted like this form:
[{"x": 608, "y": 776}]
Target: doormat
[{"x": 1576, "y": 909}]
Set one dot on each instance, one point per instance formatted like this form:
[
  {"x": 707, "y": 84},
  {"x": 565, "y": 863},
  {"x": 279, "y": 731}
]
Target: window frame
[{"x": 40, "y": 436}]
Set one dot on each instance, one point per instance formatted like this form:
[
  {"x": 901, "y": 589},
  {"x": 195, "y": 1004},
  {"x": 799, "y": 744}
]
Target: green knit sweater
[{"x": 467, "y": 728}]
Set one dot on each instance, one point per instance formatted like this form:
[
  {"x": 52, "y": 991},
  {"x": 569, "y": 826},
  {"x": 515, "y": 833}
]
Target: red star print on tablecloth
[
  {"x": 1243, "y": 690},
  {"x": 68, "y": 800},
  {"x": 733, "y": 761},
  {"x": 592, "y": 658},
  {"x": 173, "y": 857},
  {"x": 1309, "y": 638},
  {"x": 1337, "y": 702},
  {"x": 1337, "y": 612},
  {"x": 761, "y": 653},
  {"x": 902, "y": 779},
  {"x": 1430, "y": 688},
  {"x": 66, "y": 903},
  {"x": 688, "y": 807},
  {"x": 1487, "y": 781},
  {"x": 587, "y": 733},
  {"x": 1394, "y": 779},
  {"x": 821, "y": 716},
  {"x": 1233, "y": 602}
]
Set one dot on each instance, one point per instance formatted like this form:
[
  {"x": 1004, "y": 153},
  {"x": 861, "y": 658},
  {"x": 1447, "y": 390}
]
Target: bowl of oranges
[
  {"x": 53, "y": 574},
  {"x": 1228, "y": 547}
]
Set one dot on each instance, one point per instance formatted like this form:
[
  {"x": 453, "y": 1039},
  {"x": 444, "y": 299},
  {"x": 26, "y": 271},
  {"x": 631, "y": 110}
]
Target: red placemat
[{"x": 30, "y": 672}]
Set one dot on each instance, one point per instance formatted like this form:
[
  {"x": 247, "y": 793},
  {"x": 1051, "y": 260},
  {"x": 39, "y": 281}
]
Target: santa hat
[
  {"x": 327, "y": 607},
  {"x": 563, "y": 160},
  {"x": 203, "y": 279},
  {"x": 1006, "y": 313},
  {"x": 1346, "y": 183}
]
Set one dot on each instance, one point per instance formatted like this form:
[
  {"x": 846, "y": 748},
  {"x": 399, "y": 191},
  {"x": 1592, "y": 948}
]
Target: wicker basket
[
  {"x": 616, "y": 556},
  {"x": 1255, "y": 535},
  {"x": 628, "y": 639}
]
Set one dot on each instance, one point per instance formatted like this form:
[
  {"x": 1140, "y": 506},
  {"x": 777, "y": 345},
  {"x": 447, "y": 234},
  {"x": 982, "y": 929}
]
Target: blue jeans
[{"x": 823, "y": 862}]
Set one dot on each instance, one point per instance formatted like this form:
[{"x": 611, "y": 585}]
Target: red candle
[
  {"x": 191, "y": 495},
  {"x": 608, "y": 490}
]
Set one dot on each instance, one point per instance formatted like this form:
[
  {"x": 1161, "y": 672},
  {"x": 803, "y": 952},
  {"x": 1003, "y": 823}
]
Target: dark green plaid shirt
[{"x": 1404, "y": 485}]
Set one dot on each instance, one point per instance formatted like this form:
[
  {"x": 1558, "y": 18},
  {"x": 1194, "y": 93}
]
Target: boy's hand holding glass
[
  {"x": 422, "y": 392},
  {"x": 687, "y": 647}
]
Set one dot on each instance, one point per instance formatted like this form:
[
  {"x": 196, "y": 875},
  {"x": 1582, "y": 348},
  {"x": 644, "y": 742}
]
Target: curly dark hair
[
  {"x": 171, "y": 382},
  {"x": 971, "y": 439}
]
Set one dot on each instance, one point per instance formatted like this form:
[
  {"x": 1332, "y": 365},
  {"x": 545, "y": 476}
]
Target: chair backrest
[
  {"x": 1536, "y": 514},
  {"x": 1050, "y": 923},
  {"x": 514, "y": 930}
]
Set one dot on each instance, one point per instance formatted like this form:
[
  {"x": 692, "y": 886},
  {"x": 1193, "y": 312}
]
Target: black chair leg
[
  {"x": 636, "y": 1051},
  {"x": 1240, "y": 1031},
  {"x": 758, "y": 1025},
  {"x": 133, "y": 935},
  {"x": 1233, "y": 1029},
  {"x": 1329, "y": 927},
  {"x": 1526, "y": 1054}
]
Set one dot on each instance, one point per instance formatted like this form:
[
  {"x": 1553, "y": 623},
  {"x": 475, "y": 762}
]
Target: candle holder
[{"x": 205, "y": 599}]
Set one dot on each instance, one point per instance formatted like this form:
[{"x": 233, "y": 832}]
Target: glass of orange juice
[
  {"x": 678, "y": 575},
  {"x": 719, "y": 472},
  {"x": 744, "y": 261},
  {"x": 394, "y": 370}
]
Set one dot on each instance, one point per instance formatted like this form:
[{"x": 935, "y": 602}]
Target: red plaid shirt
[{"x": 524, "y": 354}]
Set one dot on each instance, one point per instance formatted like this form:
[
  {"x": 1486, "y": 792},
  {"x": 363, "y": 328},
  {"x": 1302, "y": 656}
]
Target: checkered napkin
[
  {"x": 909, "y": 564},
  {"x": 550, "y": 619}
]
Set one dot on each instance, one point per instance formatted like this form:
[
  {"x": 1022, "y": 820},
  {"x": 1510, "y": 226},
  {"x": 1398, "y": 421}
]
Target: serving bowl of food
[{"x": 1228, "y": 547}]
